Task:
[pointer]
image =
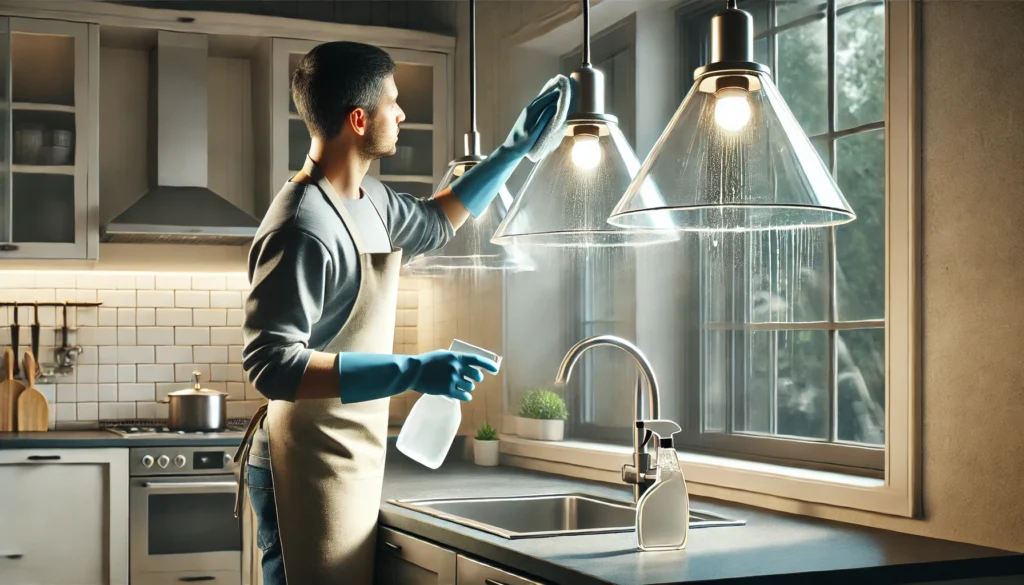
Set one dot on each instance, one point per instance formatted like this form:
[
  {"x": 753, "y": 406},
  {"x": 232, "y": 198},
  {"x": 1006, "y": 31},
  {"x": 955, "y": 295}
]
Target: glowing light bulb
[
  {"x": 732, "y": 110},
  {"x": 586, "y": 152}
]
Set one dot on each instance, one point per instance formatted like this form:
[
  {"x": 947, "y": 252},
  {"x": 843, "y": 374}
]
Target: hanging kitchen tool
[
  {"x": 197, "y": 409},
  {"x": 35, "y": 338},
  {"x": 64, "y": 357},
  {"x": 33, "y": 411},
  {"x": 15, "y": 335},
  {"x": 10, "y": 390}
]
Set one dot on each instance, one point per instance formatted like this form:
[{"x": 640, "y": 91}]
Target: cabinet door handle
[
  {"x": 13, "y": 556},
  {"x": 9, "y": 247},
  {"x": 490, "y": 581},
  {"x": 194, "y": 579},
  {"x": 44, "y": 457},
  {"x": 392, "y": 546}
]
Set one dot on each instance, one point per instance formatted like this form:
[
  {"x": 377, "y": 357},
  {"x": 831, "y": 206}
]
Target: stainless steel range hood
[{"x": 179, "y": 206}]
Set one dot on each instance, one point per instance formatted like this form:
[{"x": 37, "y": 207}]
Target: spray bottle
[{"x": 663, "y": 512}]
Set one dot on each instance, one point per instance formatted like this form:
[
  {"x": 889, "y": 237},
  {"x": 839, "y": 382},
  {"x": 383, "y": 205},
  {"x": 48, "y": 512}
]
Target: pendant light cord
[
  {"x": 586, "y": 33},
  {"x": 472, "y": 65}
]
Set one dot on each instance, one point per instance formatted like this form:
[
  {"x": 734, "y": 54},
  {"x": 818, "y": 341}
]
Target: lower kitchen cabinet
[
  {"x": 472, "y": 572},
  {"x": 64, "y": 516},
  {"x": 406, "y": 560}
]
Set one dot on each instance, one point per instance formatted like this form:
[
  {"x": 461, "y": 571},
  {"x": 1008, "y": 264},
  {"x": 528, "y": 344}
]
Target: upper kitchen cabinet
[
  {"x": 424, "y": 143},
  {"x": 48, "y": 134}
]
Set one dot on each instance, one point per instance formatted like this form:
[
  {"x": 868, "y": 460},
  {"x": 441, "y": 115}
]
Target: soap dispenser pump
[{"x": 663, "y": 511}]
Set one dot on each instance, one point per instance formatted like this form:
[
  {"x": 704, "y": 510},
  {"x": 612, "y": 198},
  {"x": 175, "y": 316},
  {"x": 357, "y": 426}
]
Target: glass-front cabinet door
[
  {"x": 424, "y": 143},
  {"x": 46, "y": 128}
]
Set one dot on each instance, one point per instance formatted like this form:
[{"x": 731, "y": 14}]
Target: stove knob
[
  {"x": 147, "y": 461},
  {"x": 227, "y": 460},
  {"x": 163, "y": 461},
  {"x": 179, "y": 460}
]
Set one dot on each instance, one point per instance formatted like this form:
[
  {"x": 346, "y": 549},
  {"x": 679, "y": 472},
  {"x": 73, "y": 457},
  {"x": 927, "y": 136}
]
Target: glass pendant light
[
  {"x": 733, "y": 158},
  {"x": 568, "y": 196},
  {"x": 471, "y": 247}
]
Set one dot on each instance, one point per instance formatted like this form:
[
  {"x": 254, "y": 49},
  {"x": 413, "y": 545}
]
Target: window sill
[{"x": 600, "y": 462}]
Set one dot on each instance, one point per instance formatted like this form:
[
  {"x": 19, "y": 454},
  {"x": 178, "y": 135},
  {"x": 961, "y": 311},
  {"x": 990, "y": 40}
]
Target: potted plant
[
  {"x": 485, "y": 446},
  {"x": 542, "y": 415}
]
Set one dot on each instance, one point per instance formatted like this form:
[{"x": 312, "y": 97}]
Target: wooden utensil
[
  {"x": 33, "y": 411},
  {"x": 10, "y": 390}
]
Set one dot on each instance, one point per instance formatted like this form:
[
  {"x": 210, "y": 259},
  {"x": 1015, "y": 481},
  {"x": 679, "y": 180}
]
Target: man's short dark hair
[{"x": 335, "y": 78}]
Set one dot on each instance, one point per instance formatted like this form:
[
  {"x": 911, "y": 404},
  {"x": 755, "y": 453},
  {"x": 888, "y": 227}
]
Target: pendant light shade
[
  {"x": 471, "y": 247},
  {"x": 568, "y": 196},
  {"x": 733, "y": 158}
]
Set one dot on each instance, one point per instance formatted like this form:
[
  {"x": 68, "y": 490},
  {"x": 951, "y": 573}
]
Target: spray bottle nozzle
[{"x": 664, "y": 429}]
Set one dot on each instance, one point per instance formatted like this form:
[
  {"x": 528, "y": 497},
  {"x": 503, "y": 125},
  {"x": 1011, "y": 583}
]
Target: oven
[{"x": 181, "y": 514}]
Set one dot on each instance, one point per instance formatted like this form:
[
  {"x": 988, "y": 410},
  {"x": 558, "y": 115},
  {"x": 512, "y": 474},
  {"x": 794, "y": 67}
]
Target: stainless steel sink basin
[{"x": 546, "y": 515}]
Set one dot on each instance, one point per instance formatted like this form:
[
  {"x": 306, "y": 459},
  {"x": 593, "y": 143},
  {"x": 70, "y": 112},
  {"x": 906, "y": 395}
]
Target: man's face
[{"x": 382, "y": 130}]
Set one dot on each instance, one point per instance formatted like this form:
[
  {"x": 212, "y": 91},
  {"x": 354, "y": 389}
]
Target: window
[{"x": 792, "y": 323}]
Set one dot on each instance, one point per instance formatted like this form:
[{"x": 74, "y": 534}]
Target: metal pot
[{"x": 197, "y": 409}]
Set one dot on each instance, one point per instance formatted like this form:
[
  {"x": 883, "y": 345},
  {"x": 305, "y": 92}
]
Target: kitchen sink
[{"x": 546, "y": 515}]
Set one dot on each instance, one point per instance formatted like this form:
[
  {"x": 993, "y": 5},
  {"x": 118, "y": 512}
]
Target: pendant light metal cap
[{"x": 732, "y": 161}]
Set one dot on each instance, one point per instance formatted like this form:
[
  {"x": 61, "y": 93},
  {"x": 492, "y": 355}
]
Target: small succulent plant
[
  {"x": 486, "y": 433},
  {"x": 543, "y": 404}
]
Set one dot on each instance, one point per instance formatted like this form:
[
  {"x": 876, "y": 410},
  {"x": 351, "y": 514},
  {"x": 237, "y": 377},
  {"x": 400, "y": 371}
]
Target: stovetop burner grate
[{"x": 159, "y": 426}]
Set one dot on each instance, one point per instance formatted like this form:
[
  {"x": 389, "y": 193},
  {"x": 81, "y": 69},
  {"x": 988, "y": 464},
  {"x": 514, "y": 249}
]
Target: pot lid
[{"x": 196, "y": 389}]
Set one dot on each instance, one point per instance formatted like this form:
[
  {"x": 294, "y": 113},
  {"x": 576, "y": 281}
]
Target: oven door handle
[{"x": 177, "y": 485}]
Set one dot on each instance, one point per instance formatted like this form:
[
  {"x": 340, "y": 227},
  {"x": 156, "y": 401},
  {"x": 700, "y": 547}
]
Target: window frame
[{"x": 898, "y": 492}]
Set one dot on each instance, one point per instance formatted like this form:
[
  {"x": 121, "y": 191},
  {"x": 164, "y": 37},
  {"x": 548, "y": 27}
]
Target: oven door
[{"x": 184, "y": 523}]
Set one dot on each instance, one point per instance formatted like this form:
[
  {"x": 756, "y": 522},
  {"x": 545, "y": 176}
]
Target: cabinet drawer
[
  {"x": 471, "y": 572},
  {"x": 407, "y": 560},
  {"x": 186, "y": 577}
]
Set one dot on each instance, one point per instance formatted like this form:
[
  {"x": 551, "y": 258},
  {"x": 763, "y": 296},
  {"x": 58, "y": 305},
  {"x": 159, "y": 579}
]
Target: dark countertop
[
  {"x": 99, "y": 439},
  {"x": 773, "y": 547}
]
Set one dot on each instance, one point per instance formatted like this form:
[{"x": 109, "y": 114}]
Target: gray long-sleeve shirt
[{"x": 304, "y": 275}]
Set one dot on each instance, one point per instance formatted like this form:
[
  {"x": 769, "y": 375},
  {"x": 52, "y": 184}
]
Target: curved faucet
[{"x": 636, "y": 474}]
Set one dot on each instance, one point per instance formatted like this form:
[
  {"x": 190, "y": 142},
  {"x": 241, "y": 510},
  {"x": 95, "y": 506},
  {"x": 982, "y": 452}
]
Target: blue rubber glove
[
  {"x": 370, "y": 376},
  {"x": 478, "y": 186}
]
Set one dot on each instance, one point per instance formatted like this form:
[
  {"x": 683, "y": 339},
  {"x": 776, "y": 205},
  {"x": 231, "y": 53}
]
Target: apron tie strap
[{"x": 242, "y": 454}]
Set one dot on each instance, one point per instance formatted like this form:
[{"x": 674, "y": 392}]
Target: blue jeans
[{"x": 261, "y": 494}]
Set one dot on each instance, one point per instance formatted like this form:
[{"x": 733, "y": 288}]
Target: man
[{"x": 319, "y": 317}]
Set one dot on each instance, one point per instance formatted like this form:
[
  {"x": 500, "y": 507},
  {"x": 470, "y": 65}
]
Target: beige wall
[{"x": 973, "y": 209}]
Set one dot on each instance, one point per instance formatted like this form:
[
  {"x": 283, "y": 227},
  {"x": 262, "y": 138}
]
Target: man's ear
[{"x": 358, "y": 120}]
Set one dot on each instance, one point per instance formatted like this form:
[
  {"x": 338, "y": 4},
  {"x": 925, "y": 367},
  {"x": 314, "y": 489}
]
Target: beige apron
[{"x": 327, "y": 458}]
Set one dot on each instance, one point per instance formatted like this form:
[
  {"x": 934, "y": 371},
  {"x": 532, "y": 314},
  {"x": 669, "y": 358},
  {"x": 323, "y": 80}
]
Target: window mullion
[{"x": 833, "y": 308}]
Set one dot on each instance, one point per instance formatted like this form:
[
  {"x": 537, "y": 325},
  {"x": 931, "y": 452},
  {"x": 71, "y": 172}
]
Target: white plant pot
[
  {"x": 540, "y": 430},
  {"x": 486, "y": 452}
]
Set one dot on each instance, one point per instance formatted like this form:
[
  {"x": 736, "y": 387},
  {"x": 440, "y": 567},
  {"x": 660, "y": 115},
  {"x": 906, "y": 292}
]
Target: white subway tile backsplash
[
  {"x": 236, "y": 409},
  {"x": 235, "y": 354},
  {"x": 251, "y": 406},
  {"x": 54, "y": 280},
  {"x": 126, "y": 410},
  {"x": 93, "y": 280},
  {"x": 86, "y": 392},
  {"x": 67, "y": 412},
  {"x": 124, "y": 281},
  {"x": 127, "y": 374},
  {"x": 88, "y": 411},
  {"x": 142, "y": 354},
  {"x": 155, "y": 373},
  {"x": 183, "y": 372},
  {"x": 235, "y": 317},
  {"x": 109, "y": 354},
  {"x": 86, "y": 295},
  {"x": 18, "y": 280},
  {"x": 205, "y": 354},
  {"x": 67, "y": 392},
  {"x": 165, "y": 388},
  {"x": 225, "y": 336},
  {"x": 155, "y": 298},
  {"x": 219, "y": 372},
  {"x": 126, "y": 317},
  {"x": 109, "y": 411},
  {"x": 172, "y": 354},
  {"x": 49, "y": 391},
  {"x": 116, "y": 298},
  {"x": 156, "y": 336},
  {"x": 191, "y": 336},
  {"x": 147, "y": 410},
  {"x": 145, "y": 317},
  {"x": 86, "y": 316},
  {"x": 107, "y": 392},
  {"x": 174, "y": 317},
  {"x": 126, "y": 335},
  {"x": 237, "y": 282},
  {"x": 136, "y": 392},
  {"x": 226, "y": 299},
  {"x": 145, "y": 281},
  {"x": 107, "y": 317},
  {"x": 235, "y": 390},
  {"x": 86, "y": 374},
  {"x": 209, "y": 317},
  {"x": 173, "y": 282},
  {"x": 106, "y": 374},
  {"x": 193, "y": 299},
  {"x": 209, "y": 282}
]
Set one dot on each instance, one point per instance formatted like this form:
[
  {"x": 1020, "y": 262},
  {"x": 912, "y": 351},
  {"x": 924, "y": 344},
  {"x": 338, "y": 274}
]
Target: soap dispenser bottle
[{"x": 663, "y": 511}]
